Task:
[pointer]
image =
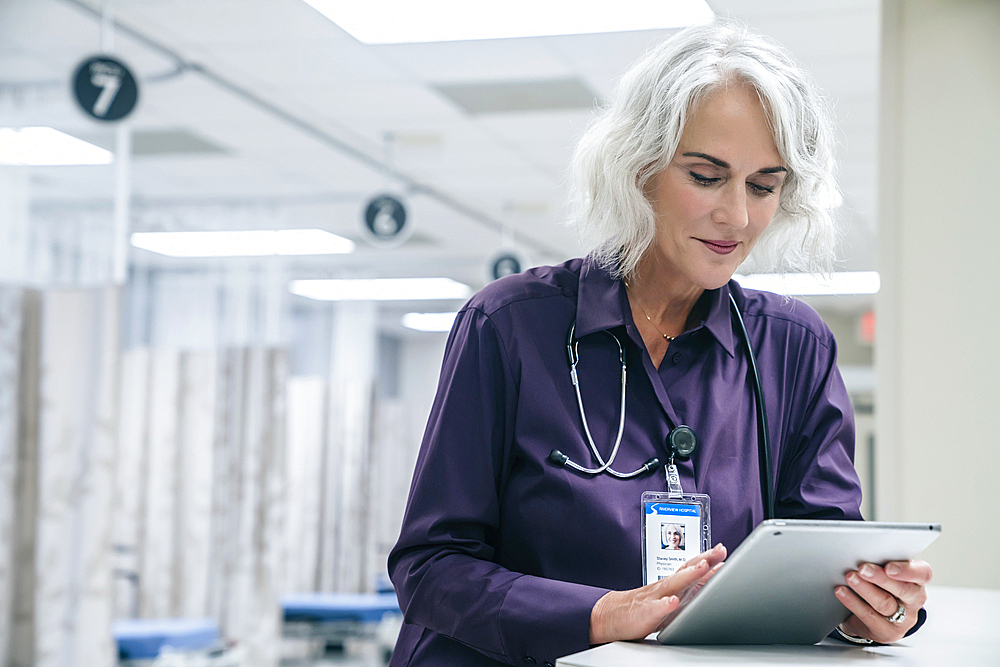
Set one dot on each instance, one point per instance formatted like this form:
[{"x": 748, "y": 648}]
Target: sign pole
[{"x": 123, "y": 192}]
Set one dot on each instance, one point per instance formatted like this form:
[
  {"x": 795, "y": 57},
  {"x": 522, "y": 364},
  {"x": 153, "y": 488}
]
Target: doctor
[{"x": 714, "y": 145}]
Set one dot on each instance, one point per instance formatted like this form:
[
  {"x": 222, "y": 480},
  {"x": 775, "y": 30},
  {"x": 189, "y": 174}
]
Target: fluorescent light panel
[
  {"x": 813, "y": 284},
  {"x": 381, "y": 289},
  {"x": 47, "y": 147},
  {"x": 436, "y": 322},
  {"x": 253, "y": 243},
  {"x": 400, "y": 21}
]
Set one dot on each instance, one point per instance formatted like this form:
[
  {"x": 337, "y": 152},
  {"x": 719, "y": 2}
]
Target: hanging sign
[
  {"x": 385, "y": 220},
  {"x": 105, "y": 88},
  {"x": 506, "y": 263}
]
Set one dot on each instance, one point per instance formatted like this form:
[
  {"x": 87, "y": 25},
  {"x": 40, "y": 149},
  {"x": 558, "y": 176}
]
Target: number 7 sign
[{"x": 105, "y": 88}]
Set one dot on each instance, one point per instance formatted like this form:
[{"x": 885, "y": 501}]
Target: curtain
[
  {"x": 57, "y": 468},
  {"x": 199, "y": 511}
]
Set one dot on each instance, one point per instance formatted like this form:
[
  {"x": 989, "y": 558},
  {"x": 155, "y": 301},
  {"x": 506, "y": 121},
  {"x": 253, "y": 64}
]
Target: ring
[{"x": 899, "y": 616}]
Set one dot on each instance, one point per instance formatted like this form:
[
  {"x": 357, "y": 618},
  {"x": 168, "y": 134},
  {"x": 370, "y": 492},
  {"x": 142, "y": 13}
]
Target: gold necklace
[{"x": 666, "y": 337}]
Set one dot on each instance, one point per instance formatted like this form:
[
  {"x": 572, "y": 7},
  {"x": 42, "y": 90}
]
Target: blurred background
[{"x": 233, "y": 234}]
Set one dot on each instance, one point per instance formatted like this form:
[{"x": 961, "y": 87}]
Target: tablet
[{"x": 777, "y": 587}]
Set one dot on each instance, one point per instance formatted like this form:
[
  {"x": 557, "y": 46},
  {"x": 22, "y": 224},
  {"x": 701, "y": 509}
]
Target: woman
[
  {"x": 714, "y": 141},
  {"x": 672, "y": 537}
]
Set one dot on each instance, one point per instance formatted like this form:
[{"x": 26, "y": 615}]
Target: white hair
[{"x": 636, "y": 136}]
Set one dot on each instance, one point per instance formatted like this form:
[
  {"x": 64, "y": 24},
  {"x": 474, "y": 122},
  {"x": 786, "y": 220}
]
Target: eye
[
  {"x": 703, "y": 180},
  {"x": 760, "y": 190}
]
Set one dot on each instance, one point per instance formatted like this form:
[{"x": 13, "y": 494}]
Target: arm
[
  {"x": 816, "y": 478},
  {"x": 821, "y": 482},
  {"x": 443, "y": 566}
]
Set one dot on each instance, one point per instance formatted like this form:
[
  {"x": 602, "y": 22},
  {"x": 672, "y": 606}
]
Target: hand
[
  {"x": 873, "y": 593},
  {"x": 622, "y": 615}
]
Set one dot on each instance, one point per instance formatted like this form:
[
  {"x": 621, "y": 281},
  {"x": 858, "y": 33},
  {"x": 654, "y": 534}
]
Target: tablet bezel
[{"x": 777, "y": 587}]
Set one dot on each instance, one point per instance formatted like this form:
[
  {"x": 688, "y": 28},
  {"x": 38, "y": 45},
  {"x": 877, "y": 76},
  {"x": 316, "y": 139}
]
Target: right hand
[{"x": 624, "y": 615}]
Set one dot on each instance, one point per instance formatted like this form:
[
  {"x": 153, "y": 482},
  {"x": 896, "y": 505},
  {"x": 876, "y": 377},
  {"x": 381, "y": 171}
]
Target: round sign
[
  {"x": 385, "y": 219},
  {"x": 505, "y": 264},
  {"x": 105, "y": 88}
]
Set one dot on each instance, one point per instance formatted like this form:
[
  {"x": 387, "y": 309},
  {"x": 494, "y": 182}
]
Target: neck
[{"x": 667, "y": 302}]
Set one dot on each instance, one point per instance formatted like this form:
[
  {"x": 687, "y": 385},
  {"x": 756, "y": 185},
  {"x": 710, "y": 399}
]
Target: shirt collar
[
  {"x": 719, "y": 320},
  {"x": 600, "y": 306},
  {"x": 599, "y": 300}
]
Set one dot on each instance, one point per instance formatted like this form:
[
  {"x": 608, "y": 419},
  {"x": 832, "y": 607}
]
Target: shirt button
[
  {"x": 677, "y": 358},
  {"x": 548, "y": 664},
  {"x": 528, "y": 660}
]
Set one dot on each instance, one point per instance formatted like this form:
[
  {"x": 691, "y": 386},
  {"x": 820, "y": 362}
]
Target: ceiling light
[
  {"x": 254, "y": 243},
  {"x": 813, "y": 284},
  {"x": 381, "y": 289},
  {"x": 47, "y": 147},
  {"x": 397, "y": 21},
  {"x": 437, "y": 322}
]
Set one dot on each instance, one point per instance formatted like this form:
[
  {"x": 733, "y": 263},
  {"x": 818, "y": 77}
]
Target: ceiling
[{"x": 264, "y": 113}]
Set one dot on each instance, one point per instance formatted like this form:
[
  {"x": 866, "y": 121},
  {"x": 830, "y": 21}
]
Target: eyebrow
[{"x": 725, "y": 165}]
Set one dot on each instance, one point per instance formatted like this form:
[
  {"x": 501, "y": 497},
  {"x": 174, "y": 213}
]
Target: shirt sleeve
[
  {"x": 443, "y": 566},
  {"x": 817, "y": 478}
]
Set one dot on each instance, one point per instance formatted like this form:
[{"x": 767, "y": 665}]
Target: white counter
[{"x": 963, "y": 628}]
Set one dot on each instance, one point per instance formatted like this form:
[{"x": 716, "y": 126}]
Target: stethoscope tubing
[
  {"x": 574, "y": 358},
  {"x": 763, "y": 441}
]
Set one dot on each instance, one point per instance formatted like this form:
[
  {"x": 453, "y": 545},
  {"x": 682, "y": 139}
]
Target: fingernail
[
  {"x": 867, "y": 570},
  {"x": 892, "y": 569},
  {"x": 840, "y": 591},
  {"x": 853, "y": 578},
  {"x": 673, "y": 599}
]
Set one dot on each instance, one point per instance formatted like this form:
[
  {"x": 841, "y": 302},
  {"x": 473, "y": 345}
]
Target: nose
[{"x": 732, "y": 205}]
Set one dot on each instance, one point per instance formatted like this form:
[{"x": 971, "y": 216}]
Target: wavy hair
[{"x": 636, "y": 135}]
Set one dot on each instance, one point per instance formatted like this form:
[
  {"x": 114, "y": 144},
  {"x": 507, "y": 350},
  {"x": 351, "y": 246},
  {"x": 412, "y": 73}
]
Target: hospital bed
[{"x": 331, "y": 620}]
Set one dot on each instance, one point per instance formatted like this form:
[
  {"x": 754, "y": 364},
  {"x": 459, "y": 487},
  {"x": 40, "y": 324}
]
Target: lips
[{"x": 720, "y": 247}]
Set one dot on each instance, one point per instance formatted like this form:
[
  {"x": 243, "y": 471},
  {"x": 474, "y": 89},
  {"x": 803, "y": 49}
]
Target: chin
[{"x": 716, "y": 280}]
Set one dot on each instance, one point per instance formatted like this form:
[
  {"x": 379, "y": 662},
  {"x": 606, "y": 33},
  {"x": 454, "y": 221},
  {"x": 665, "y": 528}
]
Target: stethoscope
[{"x": 681, "y": 440}]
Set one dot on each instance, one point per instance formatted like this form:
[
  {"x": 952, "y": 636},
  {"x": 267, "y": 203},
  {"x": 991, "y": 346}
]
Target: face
[
  {"x": 719, "y": 192},
  {"x": 671, "y": 535}
]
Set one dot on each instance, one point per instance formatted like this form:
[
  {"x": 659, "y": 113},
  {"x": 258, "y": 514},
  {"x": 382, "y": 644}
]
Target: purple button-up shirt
[{"x": 502, "y": 554}]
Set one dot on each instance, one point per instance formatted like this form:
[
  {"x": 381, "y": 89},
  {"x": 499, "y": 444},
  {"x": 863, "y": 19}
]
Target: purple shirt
[{"x": 502, "y": 554}]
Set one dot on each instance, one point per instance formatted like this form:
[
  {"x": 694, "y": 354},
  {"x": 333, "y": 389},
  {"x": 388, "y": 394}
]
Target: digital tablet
[{"x": 777, "y": 587}]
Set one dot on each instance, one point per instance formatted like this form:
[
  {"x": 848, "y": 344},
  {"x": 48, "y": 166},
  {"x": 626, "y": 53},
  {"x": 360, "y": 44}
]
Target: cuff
[{"x": 542, "y": 620}]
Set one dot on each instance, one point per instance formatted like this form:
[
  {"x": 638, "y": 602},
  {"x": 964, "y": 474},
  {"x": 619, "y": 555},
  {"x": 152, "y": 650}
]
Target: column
[{"x": 939, "y": 226}]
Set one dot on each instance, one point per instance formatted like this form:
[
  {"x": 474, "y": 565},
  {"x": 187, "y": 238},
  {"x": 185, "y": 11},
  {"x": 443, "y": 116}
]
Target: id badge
[{"x": 675, "y": 528}]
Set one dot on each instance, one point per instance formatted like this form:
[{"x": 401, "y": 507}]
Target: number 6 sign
[{"x": 105, "y": 88}]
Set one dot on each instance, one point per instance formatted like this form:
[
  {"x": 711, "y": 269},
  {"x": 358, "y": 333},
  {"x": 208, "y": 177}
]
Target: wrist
[{"x": 598, "y": 615}]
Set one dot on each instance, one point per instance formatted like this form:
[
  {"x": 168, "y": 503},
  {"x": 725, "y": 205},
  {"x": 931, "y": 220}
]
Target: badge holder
[{"x": 676, "y": 527}]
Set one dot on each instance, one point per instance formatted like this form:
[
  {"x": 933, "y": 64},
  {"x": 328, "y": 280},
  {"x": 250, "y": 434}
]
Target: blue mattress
[
  {"x": 145, "y": 637},
  {"x": 330, "y": 607}
]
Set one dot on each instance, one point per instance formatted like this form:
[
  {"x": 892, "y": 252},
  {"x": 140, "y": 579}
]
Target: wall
[{"x": 938, "y": 370}]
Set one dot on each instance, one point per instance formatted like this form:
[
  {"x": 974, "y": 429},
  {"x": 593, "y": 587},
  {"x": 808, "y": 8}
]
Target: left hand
[{"x": 874, "y": 593}]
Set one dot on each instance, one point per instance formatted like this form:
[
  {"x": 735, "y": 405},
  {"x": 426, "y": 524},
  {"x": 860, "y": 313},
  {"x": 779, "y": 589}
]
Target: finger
[
  {"x": 686, "y": 576},
  {"x": 910, "y": 594},
  {"x": 867, "y": 622},
  {"x": 715, "y": 555},
  {"x": 912, "y": 571},
  {"x": 710, "y": 574},
  {"x": 879, "y": 599}
]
